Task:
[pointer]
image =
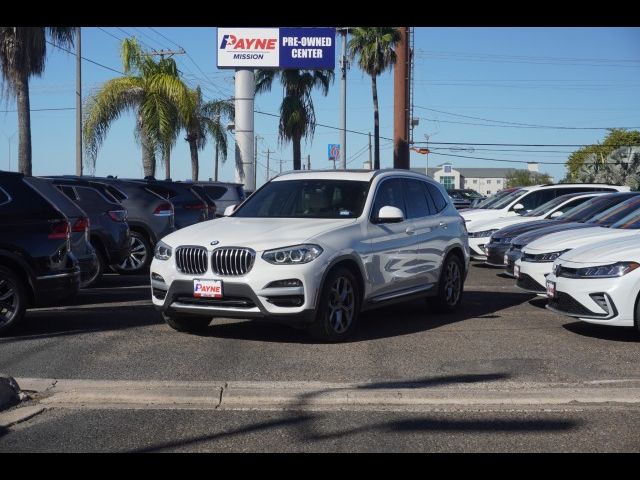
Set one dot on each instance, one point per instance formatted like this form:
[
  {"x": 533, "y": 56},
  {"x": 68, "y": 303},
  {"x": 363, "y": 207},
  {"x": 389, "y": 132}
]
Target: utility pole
[
  {"x": 162, "y": 53},
  {"x": 268, "y": 152},
  {"x": 344, "y": 66},
  {"x": 401, "y": 102},
  {"x": 78, "y": 102},
  {"x": 245, "y": 90},
  {"x": 308, "y": 162}
]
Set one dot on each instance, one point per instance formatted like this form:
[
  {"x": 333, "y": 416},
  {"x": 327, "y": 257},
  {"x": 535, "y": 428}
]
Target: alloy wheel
[
  {"x": 453, "y": 282},
  {"x": 137, "y": 255},
  {"x": 341, "y": 307},
  {"x": 8, "y": 301}
]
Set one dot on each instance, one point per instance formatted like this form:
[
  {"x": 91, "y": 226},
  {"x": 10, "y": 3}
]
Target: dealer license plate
[
  {"x": 551, "y": 289},
  {"x": 207, "y": 288}
]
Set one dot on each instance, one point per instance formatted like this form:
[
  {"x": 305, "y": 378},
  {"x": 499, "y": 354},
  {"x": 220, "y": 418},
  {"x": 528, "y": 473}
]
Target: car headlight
[
  {"x": 484, "y": 233},
  {"x": 542, "y": 257},
  {"x": 162, "y": 251},
  {"x": 292, "y": 255},
  {"x": 607, "y": 271}
]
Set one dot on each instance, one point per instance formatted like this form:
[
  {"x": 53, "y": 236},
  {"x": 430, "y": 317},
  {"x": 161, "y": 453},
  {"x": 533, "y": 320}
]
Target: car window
[
  {"x": 615, "y": 213},
  {"x": 115, "y": 193},
  {"x": 215, "y": 192},
  {"x": 163, "y": 191},
  {"x": 593, "y": 206},
  {"x": 536, "y": 198},
  {"x": 389, "y": 194},
  {"x": 91, "y": 198},
  {"x": 416, "y": 197},
  {"x": 54, "y": 196},
  {"x": 572, "y": 204},
  {"x": 68, "y": 191},
  {"x": 307, "y": 199},
  {"x": 4, "y": 197},
  {"x": 436, "y": 196}
]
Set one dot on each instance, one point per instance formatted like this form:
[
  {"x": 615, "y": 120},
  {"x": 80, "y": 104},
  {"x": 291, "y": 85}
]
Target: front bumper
[
  {"x": 576, "y": 297},
  {"x": 495, "y": 254},
  {"x": 245, "y": 296},
  {"x": 512, "y": 257},
  {"x": 476, "y": 247},
  {"x": 533, "y": 276}
]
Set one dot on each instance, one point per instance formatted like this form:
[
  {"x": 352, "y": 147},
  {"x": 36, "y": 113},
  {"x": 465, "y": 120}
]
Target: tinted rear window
[
  {"x": 215, "y": 192},
  {"x": 51, "y": 193},
  {"x": 163, "y": 191}
]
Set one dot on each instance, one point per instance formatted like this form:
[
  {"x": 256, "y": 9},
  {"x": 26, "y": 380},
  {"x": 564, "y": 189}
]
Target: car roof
[{"x": 358, "y": 175}]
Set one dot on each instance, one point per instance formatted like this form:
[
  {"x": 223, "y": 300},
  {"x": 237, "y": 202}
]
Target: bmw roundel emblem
[{"x": 215, "y": 242}]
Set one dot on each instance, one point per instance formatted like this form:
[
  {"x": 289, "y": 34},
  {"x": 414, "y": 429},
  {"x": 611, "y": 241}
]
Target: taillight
[
  {"x": 60, "y": 230},
  {"x": 118, "y": 215},
  {"x": 81, "y": 225},
  {"x": 164, "y": 210}
]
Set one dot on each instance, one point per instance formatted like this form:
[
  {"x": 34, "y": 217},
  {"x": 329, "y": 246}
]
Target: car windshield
[
  {"x": 545, "y": 207},
  {"x": 616, "y": 213},
  {"x": 491, "y": 200},
  {"x": 506, "y": 200},
  {"x": 588, "y": 209},
  {"x": 631, "y": 221},
  {"x": 306, "y": 199}
]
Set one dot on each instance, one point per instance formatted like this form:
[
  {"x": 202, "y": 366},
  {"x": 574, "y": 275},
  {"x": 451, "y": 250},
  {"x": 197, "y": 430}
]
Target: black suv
[
  {"x": 150, "y": 218},
  {"x": 109, "y": 230},
  {"x": 223, "y": 194},
  {"x": 36, "y": 264}
]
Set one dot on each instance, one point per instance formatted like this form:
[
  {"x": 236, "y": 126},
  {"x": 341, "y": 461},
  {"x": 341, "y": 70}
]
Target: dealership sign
[{"x": 305, "y": 48}]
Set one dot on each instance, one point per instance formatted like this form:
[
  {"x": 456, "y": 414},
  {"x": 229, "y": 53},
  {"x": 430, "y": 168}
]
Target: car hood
[
  {"x": 474, "y": 215},
  {"x": 498, "y": 223},
  {"x": 530, "y": 236},
  {"x": 606, "y": 251},
  {"x": 571, "y": 239},
  {"x": 256, "y": 233},
  {"x": 520, "y": 228}
]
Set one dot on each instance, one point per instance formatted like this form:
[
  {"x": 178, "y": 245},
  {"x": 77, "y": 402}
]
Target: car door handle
[
  {"x": 409, "y": 231},
  {"x": 442, "y": 224}
]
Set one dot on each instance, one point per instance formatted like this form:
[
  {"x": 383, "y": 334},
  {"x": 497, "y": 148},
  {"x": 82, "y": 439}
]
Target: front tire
[
  {"x": 139, "y": 256},
  {"x": 186, "y": 323},
  {"x": 338, "y": 308},
  {"x": 450, "y": 286},
  {"x": 13, "y": 299}
]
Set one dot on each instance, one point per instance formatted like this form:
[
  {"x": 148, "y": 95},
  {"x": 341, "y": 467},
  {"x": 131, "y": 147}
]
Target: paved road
[
  {"x": 502, "y": 340},
  {"x": 112, "y": 332}
]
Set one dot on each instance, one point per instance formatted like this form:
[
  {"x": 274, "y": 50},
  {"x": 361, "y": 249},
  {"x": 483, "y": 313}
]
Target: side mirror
[
  {"x": 229, "y": 210},
  {"x": 517, "y": 206},
  {"x": 388, "y": 214},
  {"x": 556, "y": 214}
]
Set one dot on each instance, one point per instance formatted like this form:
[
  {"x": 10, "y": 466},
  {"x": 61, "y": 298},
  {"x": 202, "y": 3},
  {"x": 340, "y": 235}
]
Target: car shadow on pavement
[
  {"x": 604, "y": 332},
  {"x": 60, "y": 322},
  {"x": 400, "y": 319}
]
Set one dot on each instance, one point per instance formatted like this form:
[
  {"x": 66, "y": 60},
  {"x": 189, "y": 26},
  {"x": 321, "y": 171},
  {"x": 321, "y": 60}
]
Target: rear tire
[
  {"x": 98, "y": 273},
  {"x": 139, "y": 256},
  {"x": 186, "y": 323},
  {"x": 636, "y": 319},
  {"x": 338, "y": 307},
  {"x": 13, "y": 299},
  {"x": 450, "y": 286}
]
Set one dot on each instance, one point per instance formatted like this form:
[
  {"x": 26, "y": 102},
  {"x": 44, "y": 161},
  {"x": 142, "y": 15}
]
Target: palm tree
[
  {"x": 297, "y": 115},
  {"x": 207, "y": 119},
  {"x": 157, "y": 94},
  {"x": 23, "y": 51},
  {"x": 375, "y": 49}
]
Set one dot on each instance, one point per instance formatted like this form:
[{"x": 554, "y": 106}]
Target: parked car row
[
  {"x": 584, "y": 260},
  {"x": 90, "y": 224}
]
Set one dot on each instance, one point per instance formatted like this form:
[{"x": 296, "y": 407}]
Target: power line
[
  {"x": 128, "y": 34},
  {"x": 548, "y": 127},
  {"x": 110, "y": 34},
  {"x": 84, "y": 58},
  {"x": 518, "y": 144},
  {"x": 40, "y": 109}
]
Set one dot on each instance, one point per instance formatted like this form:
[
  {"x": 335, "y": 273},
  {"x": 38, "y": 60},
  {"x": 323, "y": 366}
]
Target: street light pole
[
  {"x": 344, "y": 65},
  {"x": 9, "y": 138}
]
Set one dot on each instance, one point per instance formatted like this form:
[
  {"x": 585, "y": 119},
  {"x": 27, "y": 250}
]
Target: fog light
[
  {"x": 157, "y": 278},
  {"x": 290, "y": 282}
]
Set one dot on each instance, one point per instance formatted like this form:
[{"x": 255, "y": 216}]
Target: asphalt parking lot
[
  {"x": 112, "y": 332},
  {"x": 134, "y": 384}
]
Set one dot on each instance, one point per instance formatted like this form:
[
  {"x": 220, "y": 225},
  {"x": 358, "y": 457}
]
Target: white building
[{"x": 485, "y": 181}]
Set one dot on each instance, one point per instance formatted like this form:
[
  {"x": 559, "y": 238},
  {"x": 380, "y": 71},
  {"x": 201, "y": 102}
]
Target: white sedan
[{"x": 598, "y": 283}]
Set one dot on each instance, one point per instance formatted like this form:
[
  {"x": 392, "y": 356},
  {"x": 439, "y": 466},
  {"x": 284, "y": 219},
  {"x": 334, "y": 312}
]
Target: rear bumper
[{"x": 50, "y": 289}]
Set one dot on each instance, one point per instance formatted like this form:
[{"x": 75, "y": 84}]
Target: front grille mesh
[
  {"x": 191, "y": 260},
  {"x": 528, "y": 283},
  {"x": 232, "y": 261}
]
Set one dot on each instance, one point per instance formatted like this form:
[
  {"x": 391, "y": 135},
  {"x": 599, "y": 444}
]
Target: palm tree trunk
[
  {"x": 376, "y": 124},
  {"x": 297, "y": 153},
  {"x": 166, "y": 157},
  {"x": 148, "y": 153},
  {"x": 193, "y": 148},
  {"x": 24, "y": 125}
]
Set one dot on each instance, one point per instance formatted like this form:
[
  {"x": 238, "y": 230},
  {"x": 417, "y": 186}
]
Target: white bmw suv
[{"x": 314, "y": 248}]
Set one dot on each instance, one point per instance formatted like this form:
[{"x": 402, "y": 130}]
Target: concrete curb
[
  {"x": 9, "y": 392},
  {"x": 239, "y": 395}
]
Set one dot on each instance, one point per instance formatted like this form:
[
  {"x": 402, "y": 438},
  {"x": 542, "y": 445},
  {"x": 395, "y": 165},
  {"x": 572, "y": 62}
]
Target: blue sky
[{"x": 500, "y": 77}]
